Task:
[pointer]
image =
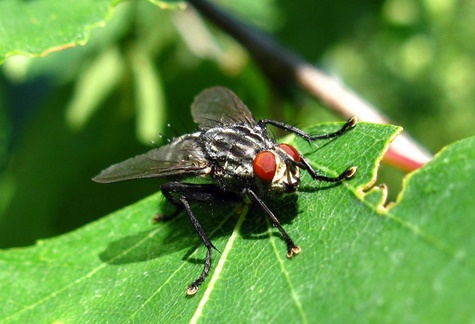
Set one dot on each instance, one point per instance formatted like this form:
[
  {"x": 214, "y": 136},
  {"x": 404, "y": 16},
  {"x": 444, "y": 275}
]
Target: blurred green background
[{"x": 66, "y": 116}]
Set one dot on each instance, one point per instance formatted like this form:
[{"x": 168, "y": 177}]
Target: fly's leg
[
  {"x": 165, "y": 218},
  {"x": 194, "y": 192},
  {"x": 291, "y": 247},
  {"x": 347, "y": 174},
  {"x": 193, "y": 288},
  {"x": 350, "y": 123},
  {"x": 180, "y": 194}
]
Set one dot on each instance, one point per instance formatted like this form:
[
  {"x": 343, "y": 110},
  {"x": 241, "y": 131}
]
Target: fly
[{"x": 236, "y": 153}]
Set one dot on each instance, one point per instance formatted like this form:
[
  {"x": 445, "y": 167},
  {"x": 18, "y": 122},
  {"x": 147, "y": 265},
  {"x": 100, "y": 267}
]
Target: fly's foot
[
  {"x": 162, "y": 218},
  {"x": 193, "y": 288},
  {"x": 351, "y": 122},
  {"x": 158, "y": 218},
  {"x": 165, "y": 218},
  {"x": 350, "y": 172},
  {"x": 191, "y": 291},
  {"x": 293, "y": 250}
]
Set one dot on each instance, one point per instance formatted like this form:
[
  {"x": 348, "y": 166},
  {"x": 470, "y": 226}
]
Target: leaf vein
[
  {"x": 286, "y": 274},
  {"x": 219, "y": 268}
]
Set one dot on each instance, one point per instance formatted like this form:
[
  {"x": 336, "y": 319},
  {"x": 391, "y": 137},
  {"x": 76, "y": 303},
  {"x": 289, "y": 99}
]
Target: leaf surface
[
  {"x": 36, "y": 28},
  {"x": 359, "y": 261}
]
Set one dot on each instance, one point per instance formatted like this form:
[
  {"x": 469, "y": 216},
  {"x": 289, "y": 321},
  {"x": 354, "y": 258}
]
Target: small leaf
[
  {"x": 36, "y": 28},
  {"x": 359, "y": 261},
  {"x": 39, "y": 27}
]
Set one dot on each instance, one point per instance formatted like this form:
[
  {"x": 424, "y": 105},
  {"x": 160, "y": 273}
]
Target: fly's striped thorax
[{"x": 234, "y": 148}]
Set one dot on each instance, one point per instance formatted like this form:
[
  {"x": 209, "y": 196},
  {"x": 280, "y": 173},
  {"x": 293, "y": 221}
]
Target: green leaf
[
  {"x": 36, "y": 28},
  {"x": 359, "y": 261},
  {"x": 39, "y": 27}
]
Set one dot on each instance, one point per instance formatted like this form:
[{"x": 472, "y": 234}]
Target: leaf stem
[{"x": 284, "y": 68}]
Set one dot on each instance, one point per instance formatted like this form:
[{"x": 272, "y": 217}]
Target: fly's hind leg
[{"x": 167, "y": 190}]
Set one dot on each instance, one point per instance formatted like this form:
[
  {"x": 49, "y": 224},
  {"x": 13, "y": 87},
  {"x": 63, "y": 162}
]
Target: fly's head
[{"x": 278, "y": 168}]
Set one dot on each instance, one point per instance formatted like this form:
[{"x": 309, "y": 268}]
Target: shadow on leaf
[
  {"x": 171, "y": 236},
  {"x": 285, "y": 208}
]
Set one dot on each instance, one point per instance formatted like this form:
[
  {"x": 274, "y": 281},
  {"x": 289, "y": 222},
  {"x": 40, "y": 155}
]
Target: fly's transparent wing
[
  {"x": 181, "y": 157},
  {"x": 220, "y": 106}
]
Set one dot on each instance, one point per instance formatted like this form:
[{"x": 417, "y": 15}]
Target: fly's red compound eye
[
  {"x": 290, "y": 150},
  {"x": 264, "y": 166}
]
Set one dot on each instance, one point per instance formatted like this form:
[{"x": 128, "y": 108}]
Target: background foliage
[{"x": 71, "y": 113}]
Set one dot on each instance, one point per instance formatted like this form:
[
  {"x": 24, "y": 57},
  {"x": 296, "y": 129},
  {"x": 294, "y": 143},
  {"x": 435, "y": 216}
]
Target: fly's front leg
[
  {"x": 180, "y": 194},
  {"x": 291, "y": 247},
  {"x": 347, "y": 174},
  {"x": 350, "y": 123}
]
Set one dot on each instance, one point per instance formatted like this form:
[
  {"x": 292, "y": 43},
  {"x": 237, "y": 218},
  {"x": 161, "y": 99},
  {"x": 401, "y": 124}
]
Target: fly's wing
[
  {"x": 220, "y": 106},
  {"x": 181, "y": 157}
]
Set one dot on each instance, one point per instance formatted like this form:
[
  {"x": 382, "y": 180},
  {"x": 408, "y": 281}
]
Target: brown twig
[{"x": 283, "y": 68}]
